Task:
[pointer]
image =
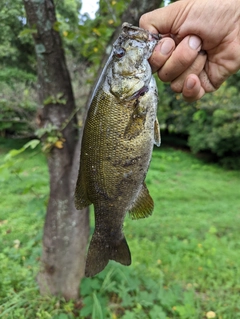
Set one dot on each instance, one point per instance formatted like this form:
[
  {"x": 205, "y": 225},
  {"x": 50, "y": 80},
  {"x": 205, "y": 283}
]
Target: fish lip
[
  {"x": 155, "y": 36},
  {"x": 133, "y": 31},
  {"x": 138, "y": 93}
]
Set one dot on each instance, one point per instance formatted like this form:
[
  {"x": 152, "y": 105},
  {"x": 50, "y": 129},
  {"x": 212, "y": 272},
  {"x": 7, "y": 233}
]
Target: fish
[{"x": 120, "y": 131}]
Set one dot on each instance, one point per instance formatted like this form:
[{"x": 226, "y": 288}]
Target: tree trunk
[{"x": 66, "y": 229}]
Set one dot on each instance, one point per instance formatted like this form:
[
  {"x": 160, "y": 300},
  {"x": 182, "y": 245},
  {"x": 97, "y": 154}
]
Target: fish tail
[{"x": 101, "y": 251}]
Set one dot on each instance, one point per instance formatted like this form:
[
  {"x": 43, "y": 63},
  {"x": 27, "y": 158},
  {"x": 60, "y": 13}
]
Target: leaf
[
  {"x": 59, "y": 144},
  {"x": 13, "y": 153},
  {"x": 27, "y": 31},
  {"x": 97, "y": 308},
  {"x": 56, "y": 26},
  {"x": 49, "y": 100},
  {"x": 58, "y": 99},
  {"x": 61, "y": 316},
  {"x": 129, "y": 315},
  {"x": 32, "y": 144},
  {"x": 88, "y": 306},
  {"x": 96, "y": 31},
  {"x": 157, "y": 312}
]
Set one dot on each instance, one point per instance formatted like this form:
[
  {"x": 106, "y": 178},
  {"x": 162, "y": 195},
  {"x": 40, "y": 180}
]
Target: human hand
[{"x": 196, "y": 25}]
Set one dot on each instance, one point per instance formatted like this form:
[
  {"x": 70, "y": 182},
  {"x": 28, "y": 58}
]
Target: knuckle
[
  {"x": 142, "y": 20},
  {"x": 164, "y": 76},
  {"x": 177, "y": 86},
  {"x": 185, "y": 60}
]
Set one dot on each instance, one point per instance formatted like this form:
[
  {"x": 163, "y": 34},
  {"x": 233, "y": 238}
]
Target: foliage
[
  {"x": 17, "y": 109},
  {"x": 211, "y": 124},
  {"x": 131, "y": 295},
  {"x": 15, "y": 51},
  {"x": 185, "y": 257},
  {"x": 89, "y": 39},
  {"x": 234, "y": 81},
  {"x": 17, "y": 72},
  {"x": 68, "y": 12},
  {"x": 216, "y": 126},
  {"x": 18, "y": 90},
  {"x": 12, "y": 76},
  {"x": 174, "y": 113},
  {"x": 85, "y": 42}
]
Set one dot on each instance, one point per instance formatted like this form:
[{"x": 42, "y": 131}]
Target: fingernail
[
  {"x": 194, "y": 42},
  {"x": 166, "y": 47},
  {"x": 190, "y": 83}
]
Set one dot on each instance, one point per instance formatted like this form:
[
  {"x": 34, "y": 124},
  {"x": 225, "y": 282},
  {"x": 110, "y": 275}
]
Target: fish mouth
[
  {"x": 134, "y": 32},
  {"x": 138, "y": 93}
]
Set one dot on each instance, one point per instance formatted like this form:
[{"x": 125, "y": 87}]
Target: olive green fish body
[{"x": 117, "y": 144}]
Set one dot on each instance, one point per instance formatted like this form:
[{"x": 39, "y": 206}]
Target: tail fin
[{"x": 101, "y": 251}]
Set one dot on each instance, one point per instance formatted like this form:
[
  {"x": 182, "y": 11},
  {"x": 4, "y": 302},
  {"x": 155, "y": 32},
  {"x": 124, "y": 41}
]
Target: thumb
[{"x": 163, "y": 20}]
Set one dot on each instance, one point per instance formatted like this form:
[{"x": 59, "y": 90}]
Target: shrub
[
  {"x": 211, "y": 124},
  {"x": 215, "y": 127},
  {"x": 17, "y": 109}
]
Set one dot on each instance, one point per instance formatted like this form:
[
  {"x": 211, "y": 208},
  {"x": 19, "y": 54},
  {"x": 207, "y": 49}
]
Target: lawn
[{"x": 186, "y": 261}]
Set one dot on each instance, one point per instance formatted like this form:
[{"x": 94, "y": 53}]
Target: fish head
[{"x": 130, "y": 71}]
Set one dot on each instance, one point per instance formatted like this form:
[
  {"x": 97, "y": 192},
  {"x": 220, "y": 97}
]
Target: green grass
[{"x": 186, "y": 259}]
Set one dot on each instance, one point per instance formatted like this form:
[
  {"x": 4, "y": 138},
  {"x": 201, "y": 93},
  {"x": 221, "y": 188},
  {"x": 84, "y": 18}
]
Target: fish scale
[{"x": 118, "y": 138}]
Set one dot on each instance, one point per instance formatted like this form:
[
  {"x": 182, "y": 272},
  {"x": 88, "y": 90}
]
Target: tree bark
[{"x": 66, "y": 229}]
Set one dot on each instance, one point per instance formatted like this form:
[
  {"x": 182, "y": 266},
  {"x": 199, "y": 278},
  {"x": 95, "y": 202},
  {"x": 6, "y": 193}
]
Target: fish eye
[{"x": 119, "y": 52}]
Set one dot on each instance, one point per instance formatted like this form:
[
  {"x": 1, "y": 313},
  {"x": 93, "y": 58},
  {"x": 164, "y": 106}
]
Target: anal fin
[{"x": 143, "y": 205}]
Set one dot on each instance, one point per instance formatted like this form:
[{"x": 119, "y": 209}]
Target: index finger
[
  {"x": 162, "y": 20},
  {"x": 181, "y": 59}
]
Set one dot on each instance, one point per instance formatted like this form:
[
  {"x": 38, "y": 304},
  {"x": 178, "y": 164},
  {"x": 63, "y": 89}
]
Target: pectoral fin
[
  {"x": 143, "y": 205},
  {"x": 136, "y": 123},
  {"x": 157, "y": 135}
]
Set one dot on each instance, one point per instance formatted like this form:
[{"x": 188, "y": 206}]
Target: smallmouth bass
[{"x": 118, "y": 137}]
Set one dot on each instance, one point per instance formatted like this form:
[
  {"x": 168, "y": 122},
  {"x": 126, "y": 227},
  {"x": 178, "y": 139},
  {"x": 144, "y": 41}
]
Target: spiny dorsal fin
[{"x": 143, "y": 205}]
